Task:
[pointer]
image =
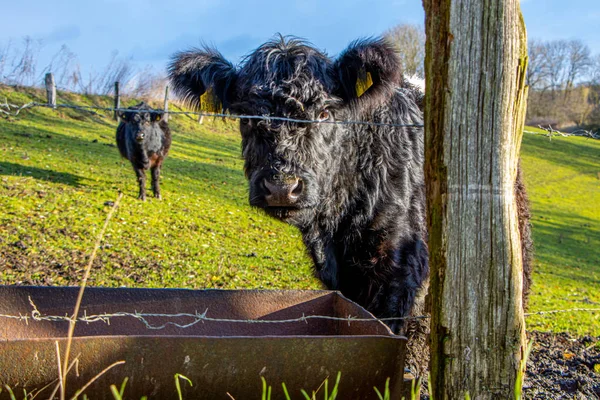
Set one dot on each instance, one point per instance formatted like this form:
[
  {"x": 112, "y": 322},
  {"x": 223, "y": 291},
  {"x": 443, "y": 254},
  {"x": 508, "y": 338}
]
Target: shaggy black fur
[
  {"x": 525, "y": 231},
  {"x": 358, "y": 191},
  {"x": 144, "y": 139}
]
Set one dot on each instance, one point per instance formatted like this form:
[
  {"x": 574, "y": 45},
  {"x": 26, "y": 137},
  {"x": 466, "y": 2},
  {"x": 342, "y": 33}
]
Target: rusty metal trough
[{"x": 219, "y": 357}]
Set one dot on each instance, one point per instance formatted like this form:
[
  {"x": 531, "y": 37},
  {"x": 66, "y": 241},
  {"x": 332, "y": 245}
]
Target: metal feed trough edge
[{"x": 219, "y": 357}]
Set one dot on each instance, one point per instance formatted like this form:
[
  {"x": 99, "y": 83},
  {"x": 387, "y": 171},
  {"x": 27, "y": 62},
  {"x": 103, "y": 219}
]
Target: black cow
[
  {"x": 144, "y": 139},
  {"x": 355, "y": 191}
]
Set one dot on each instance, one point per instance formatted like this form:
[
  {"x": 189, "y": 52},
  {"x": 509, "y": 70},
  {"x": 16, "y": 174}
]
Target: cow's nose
[{"x": 283, "y": 193}]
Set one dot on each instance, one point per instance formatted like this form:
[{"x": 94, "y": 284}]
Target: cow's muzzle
[{"x": 283, "y": 191}]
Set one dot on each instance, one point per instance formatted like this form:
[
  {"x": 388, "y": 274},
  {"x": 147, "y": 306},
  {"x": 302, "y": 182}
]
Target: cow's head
[
  {"x": 139, "y": 120},
  {"x": 291, "y": 166}
]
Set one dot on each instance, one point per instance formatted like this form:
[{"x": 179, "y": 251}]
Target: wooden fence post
[
  {"x": 166, "y": 105},
  {"x": 50, "y": 89},
  {"x": 202, "y": 107},
  {"x": 117, "y": 101},
  {"x": 475, "y": 66}
]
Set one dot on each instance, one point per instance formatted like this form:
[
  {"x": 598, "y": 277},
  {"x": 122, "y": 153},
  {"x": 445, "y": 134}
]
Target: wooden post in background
[
  {"x": 50, "y": 89},
  {"x": 202, "y": 107},
  {"x": 166, "y": 105},
  {"x": 475, "y": 65},
  {"x": 117, "y": 101}
]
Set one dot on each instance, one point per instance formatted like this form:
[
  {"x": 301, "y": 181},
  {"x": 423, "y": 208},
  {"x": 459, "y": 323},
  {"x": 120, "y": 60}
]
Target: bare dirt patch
[{"x": 562, "y": 366}]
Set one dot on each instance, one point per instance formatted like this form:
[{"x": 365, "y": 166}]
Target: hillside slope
[{"x": 563, "y": 179}]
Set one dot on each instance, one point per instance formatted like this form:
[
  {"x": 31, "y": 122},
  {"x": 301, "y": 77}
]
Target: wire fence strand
[
  {"x": 36, "y": 316},
  {"x": 551, "y": 132},
  {"x": 14, "y": 110}
]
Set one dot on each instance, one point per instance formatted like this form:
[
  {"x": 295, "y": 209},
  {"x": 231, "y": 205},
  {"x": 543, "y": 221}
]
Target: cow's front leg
[
  {"x": 141, "y": 177},
  {"x": 326, "y": 268},
  {"x": 155, "y": 181}
]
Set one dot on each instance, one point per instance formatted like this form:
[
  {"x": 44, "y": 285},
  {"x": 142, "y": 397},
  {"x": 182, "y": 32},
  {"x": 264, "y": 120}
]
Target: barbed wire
[
  {"x": 551, "y": 132},
  {"x": 36, "y": 315},
  {"x": 13, "y": 110},
  {"x": 562, "y": 311},
  {"x": 18, "y": 109}
]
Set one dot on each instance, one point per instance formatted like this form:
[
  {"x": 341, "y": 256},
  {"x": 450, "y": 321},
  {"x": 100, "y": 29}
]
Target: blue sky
[{"x": 149, "y": 31}]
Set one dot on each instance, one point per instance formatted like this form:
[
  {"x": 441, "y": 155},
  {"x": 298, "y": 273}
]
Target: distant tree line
[
  {"x": 19, "y": 66},
  {"x": 564, "y": 81},
  {"x": 563, "y": 77}
]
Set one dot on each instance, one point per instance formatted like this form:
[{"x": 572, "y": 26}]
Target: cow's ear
[
  {"x": 205, "y": 72},
  {"x": 367, "y": 72}
]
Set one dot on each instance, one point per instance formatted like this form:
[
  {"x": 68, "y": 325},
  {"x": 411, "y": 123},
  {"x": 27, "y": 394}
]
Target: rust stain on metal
[{"x": 218, "y": 357}]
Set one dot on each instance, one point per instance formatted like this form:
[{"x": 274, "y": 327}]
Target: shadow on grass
[
  {"x": 199, "y": 164},
  {"x": 111, "y": 168},
  {"x": 570, "y": 243},
  {"x": 217, "y": 147},
  {"x": 566, "y": 152},
  {"x": 7, "y": 168}
]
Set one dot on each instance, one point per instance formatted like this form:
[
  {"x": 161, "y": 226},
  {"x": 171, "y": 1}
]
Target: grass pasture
[
  {"x": 59, "y": 171},
  {"x": 563, "y": 179}
]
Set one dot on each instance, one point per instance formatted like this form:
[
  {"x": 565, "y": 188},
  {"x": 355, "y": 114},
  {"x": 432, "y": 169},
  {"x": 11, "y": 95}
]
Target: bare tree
[
  {"x": 19, "y": 66},
  {"x": 65, "y": 68},
  {"x": 537, "y": 71},
  {"x": 556, "y": 74},
  {"x": 25, "y": 65},
  {"x": 594, "y": 70},
  {"x": 410, "y": 42},
  {"x": 73, "y": 79},
  {"x": 147, "y": 84},
  {"x": 86, "y": 85},
  {"x": 556, "y": 58},
  {"x": 557, "y": 65},
  {"x": 594, "y": 97},
  {"x": 578, "y": 62},
  {"x": 5, "y": 52},
  {"x": 117, "y": 70}
]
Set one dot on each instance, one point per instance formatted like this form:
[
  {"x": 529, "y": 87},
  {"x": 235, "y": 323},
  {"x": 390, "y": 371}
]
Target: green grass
[
  {"x": 563, "y": 179},
  {"x": 58, "y": 170}
]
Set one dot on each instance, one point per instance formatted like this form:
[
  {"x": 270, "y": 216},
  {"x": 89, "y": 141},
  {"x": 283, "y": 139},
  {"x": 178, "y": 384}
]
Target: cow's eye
[
  {"x": 324, "y": 115},
  {"x": 245, "y": 121}
]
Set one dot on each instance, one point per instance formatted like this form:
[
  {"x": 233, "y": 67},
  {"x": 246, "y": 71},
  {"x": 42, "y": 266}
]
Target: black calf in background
[{"x": 144, "y": 139}]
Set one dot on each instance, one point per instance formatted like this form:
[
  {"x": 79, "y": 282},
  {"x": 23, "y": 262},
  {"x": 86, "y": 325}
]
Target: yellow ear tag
[
  {"x": 210, "y": 103},
  {"x": 363, "y": 84}
]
